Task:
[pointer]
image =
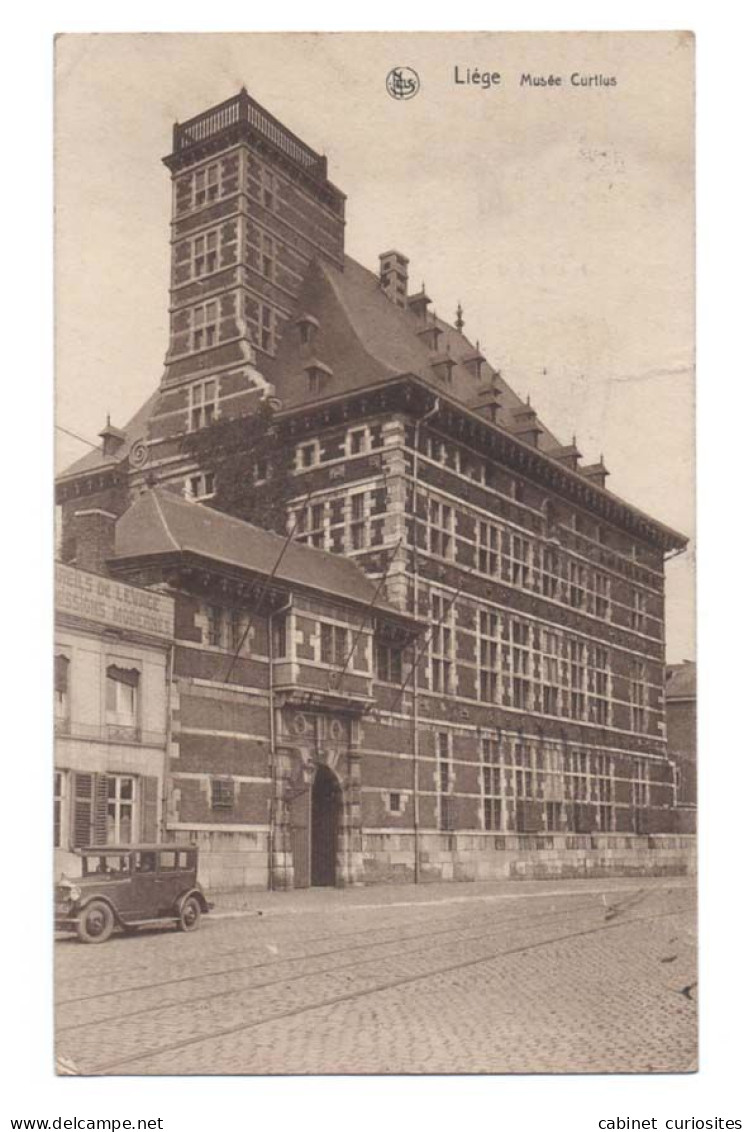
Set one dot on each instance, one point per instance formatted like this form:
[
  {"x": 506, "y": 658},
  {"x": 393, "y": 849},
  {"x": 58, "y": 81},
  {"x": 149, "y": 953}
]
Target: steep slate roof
[
  {"x": 365, "y": 338},
  {"x": 159, "y": 523},
  {"x": 681, "y": 681},
  {"x": 96, "y": 460}
]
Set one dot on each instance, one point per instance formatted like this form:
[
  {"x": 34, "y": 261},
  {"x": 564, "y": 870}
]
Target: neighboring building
[
  {"x": 680, "y": 697},
  {"x": 525, "y": 734},
  {"x": 112, "y": 653}
]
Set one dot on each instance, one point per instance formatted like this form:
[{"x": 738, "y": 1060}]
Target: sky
[{"x": 562, "y": 217}]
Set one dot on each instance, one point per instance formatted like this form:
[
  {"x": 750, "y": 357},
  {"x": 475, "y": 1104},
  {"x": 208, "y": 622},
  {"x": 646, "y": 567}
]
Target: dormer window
[
  {"x": 443, "y": 367},
  {"x": 317, "y": 375},
  {"x": 307, "y": 329}
]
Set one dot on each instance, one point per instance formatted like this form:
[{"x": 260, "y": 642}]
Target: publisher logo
[{"x": 403, "y": 83}]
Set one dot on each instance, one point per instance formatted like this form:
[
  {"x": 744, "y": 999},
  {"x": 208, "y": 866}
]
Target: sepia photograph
[{"x": 374, "y": 628}]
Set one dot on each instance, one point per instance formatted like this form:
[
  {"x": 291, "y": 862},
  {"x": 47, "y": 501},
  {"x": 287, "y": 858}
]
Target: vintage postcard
[{"x": 374, "y": 634}]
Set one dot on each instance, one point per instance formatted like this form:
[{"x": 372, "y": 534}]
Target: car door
[
  {"x": 144, "y": 896},
  {"x": 171, "y": 880}
]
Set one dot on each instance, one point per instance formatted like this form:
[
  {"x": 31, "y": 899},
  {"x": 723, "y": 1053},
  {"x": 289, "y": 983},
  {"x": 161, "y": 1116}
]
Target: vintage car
[{"x": 129, "y": 886}]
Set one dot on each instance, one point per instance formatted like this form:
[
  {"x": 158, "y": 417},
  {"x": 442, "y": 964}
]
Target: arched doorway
[{"x": 326, "y": 807}]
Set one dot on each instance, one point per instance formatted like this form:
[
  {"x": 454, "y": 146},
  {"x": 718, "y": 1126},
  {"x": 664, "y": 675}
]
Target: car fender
[
  {"x": 89, "y": 899},
  {"x": 203, "y": 902}
]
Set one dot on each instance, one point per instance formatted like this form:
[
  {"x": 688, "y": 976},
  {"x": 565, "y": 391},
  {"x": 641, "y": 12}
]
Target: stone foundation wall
[
  {"x": 229, "y": 861},
  {"x": 389, "y": 858}
]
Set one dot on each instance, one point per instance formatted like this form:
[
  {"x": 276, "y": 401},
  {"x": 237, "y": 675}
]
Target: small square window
[{"x": 222, "y": 794}]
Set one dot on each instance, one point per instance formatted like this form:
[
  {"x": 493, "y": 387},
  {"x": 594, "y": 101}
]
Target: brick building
[{"x": 522, "y": 731}]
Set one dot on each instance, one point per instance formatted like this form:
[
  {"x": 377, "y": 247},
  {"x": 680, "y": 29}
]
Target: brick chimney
[
  {"x": 393, "y": 277},
  {"x": 94, "y": 535}
]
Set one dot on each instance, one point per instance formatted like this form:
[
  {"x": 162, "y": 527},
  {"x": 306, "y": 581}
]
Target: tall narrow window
[
  {"x": 121, "y": 803},
  {"x": 214, "y": 626},
  {"x": 550, "y": 672},
  {"x": 238, "y": 629},
  {"x": 550, "y": 573},
  {"x": 204, "y": 323},
  {"x": 62, "y": 691},
  {"x": 440, "y": 529},
  {"x": 57, "y": 811},
  {"x": 638, "y": 612},
  {"x": 491, "y": 781},
  {"x": 521, "y": 665},
  {"x": 122, "y": 697},
  {"x": 204, "y": 257},
  {"x": 206, "y": 185},
  {"x": 577, "y": 578},
  {"x": 266, "y": 337},
  {"x": 640, "y": 789},
  {"x": 444, "y": 779},
  {"x": 202, "y": 404},
  {"x": 598, "y": 685},
  {"x": 576, "y": 654},
  {"x": 488, "y": 549},
  {"x": 269, "y": 189},
  {"x": 521, "y": 553},
  {"x": 333, "y": 644},
  {"x": 638, "y": 695},
  {"x": 441, "y": 647},
  {"x": 488, "y": 656},
  {"x": 357, "y": 520},
  {"x": 389, "y": 664},
  {"x": 601, "y": 593},
  {"x": 267, "y": 256}
]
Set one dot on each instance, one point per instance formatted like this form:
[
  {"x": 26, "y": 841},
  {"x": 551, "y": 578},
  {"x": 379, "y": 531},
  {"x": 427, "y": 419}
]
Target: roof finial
[
  {"x": 108, "y": 420},
  {"x": 423, "y": 287},
  {"x": 528, "y": 400},
  {"x": 459, "y": 324},
  {"x": 575, "y": 442}
]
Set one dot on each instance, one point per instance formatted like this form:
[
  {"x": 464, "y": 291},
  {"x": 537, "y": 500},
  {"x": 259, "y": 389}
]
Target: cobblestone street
[{"x": 580, "y": 976}]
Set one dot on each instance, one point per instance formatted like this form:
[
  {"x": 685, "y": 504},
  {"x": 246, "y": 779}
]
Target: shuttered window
[{"x": 113, "y": 809}]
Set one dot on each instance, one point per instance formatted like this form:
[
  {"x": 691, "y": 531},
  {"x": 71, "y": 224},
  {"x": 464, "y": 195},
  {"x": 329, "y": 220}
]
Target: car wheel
[
  {"x": 190, "y": 915},
  {"x": 96, "y": 922}
]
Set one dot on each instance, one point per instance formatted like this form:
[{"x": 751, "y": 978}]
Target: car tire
[
  {"x": 96, "y": 922},
  {"x": 190, "y": 915}
]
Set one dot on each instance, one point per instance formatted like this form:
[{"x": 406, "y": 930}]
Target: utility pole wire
[
  {"x": 75, "y": 436},
  {"x": 293, "y": 530},
  {"x": 372, "y": 603},
  {"x": 429, "y": 637}
]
